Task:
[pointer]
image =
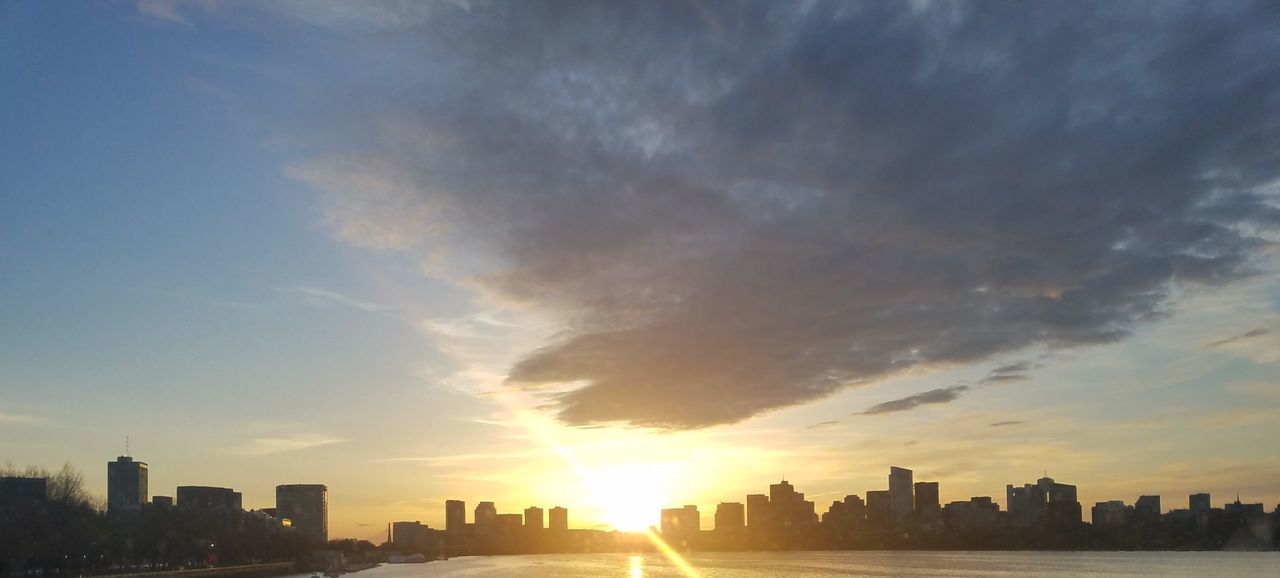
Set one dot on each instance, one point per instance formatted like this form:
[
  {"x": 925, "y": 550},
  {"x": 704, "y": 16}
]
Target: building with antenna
[{"x": 126, "y": 484}]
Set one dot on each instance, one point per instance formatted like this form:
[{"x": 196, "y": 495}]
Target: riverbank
[{"x": 246, "y": 571}]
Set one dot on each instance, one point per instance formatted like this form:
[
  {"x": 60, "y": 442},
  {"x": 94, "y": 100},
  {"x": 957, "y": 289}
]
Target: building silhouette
[
  {"x": 558, "y": 519},
  {"x": 126, "y": 485},
  {"x": 680, "y": 525},
  {"x": 878, "y": 508},
  {"x": 486, "y": 518},
  {"x": 209, "y": 498},
  {"x": 1198, "y": 502},
  {"x": 455, "y": 517},
  {"x": 927, "y": 504},
  {"x": 901, "y": 501},
  {"x": 758, "y": 513},
  {"x": 731, "y": 517},
  {"x": 307, "y": 507},
  {"x": 533, "y": 518}
]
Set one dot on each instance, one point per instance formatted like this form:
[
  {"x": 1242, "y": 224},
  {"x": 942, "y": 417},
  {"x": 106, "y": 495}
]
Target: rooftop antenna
[{"x": 126, "y": 447}]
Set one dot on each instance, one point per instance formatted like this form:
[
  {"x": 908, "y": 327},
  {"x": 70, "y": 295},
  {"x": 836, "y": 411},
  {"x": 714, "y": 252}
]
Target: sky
[{"x": 618, "y": 257}]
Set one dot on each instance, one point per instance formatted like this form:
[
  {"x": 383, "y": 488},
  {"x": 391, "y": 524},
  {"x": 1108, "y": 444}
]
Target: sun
[{"x": 629, "y": 497}]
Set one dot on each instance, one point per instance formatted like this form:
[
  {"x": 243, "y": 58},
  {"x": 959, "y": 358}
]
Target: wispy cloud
[
  {"x": 1250, "y": 334},
  {"x": 1007, "y": 423},
  {"x": 9, "y": 418},
  {"x": 325, "y": 296},
  {"x": 1004, "y": 378},
  {"x": 940, "y": 395},
  {"x": 268, "y": 445}
]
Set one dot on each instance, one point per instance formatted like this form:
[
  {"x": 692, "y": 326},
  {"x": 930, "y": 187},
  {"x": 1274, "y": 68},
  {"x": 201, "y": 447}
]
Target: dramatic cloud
[
  {"x": 736, "y": 207},
  {"x": 940, "y": 395},
  {"x": 1259, "y": 332}
]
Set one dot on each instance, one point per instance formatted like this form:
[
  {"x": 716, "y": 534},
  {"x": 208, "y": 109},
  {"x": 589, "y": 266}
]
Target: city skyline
[
  {"x": 901, "y": 501},
  {"x": 622, "y": 258}
]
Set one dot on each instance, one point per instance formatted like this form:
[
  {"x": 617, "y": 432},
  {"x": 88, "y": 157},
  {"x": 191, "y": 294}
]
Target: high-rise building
[
  {"x": 855, "y": 510},
  {"x": 307, "y": 507},
  {"x": 680, "y": 524},
  {"x": 927, "y": 505},
  {"x": 486, "y": 517},
  {"x": 1147, "y": 508},
  {"x": 758, "y": 518},
  {"x": 901, "y": 501},
  {"x": 558, "y": 519},
  {"x": 1199, "y": 502},
  {"x": 533, "y": 518},
  {"x": 507, "y": 524},
  {"x": 878, "y": 508},
  {"x": 126, "y": 484},
  {"x": 730, "y": 517},
  {"x": 455, "y": 517},
  {"x": 209, "y": 498},
  {"x": 410, "y": 536}
]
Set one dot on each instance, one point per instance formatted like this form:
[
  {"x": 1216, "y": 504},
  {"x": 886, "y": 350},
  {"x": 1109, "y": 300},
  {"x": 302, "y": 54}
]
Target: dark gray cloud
[
  {"x": 1007, "y": 423},
  {"x": 742, "y": 206},
  {"x": 933, "y": 396},
  {"x": 1250, "y": 334},
  {"x": 1003, "y": 378}
]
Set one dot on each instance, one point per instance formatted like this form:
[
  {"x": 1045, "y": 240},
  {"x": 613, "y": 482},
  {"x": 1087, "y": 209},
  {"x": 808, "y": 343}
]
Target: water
[{"x": 871, "y": 564}]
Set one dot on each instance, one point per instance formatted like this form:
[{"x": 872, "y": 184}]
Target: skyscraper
[
  {"x": 126, "y": 484},
  {"x": 533, "y": 518},
  {"x": 878, "y": 507},
  {"x": 455, "y": 517},
  {"x": 307, "y": 506},
  {"x": 927, "y": 505},
  {"x": 1199, "y": 502},
  {"x": 758, "y": 518},
  {"x": 558, "y": 519},
  {"x": 730, "y": 517},
  {"x": 901, "y": 501},
  {"x": 486, "y": 517}
]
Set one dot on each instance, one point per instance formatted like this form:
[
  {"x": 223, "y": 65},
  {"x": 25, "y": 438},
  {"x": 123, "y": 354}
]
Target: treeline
[{"x": 66, "y": 533}]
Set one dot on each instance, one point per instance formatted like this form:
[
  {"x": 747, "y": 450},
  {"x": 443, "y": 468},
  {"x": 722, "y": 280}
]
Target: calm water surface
[{"x": 807, "y": 564}]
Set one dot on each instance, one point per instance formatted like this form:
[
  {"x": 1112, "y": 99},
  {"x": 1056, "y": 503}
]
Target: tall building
[
  {"x": 209, "y": 498},
  {"x": 1147, "y": 508},
  {"x": 126, "y": 484},
  {"x": 855, "y": 510},
  {"x": 307, "y": 507},
  {"x": 1199, "y": 502},
  {"x": 455, "y": 517},
  {"x": 927, "y": 505},
  {"x": 878, "y": 508},
  {"x": 533, "y": 518},
  {"x": 410, "y": 536},
  {"x": 486, "y": 517},
  {"x": 758, "y": 518},
  {"x": 788, "y": 508},
  {"x": 731, "y": 517},
  {"x": 558, "y": 519},
  {"x": 901, "y": 501},
  {"x": 680, "y": 524}
]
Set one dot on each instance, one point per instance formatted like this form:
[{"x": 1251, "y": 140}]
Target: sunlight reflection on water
[{"x": 879, "y": 564}]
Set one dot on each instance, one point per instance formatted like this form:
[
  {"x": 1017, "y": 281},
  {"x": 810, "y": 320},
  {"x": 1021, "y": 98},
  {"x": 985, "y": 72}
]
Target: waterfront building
[
  {"x": 455, "y": 517},
  {"x": 927, "y": 504},
  {"x": 758, "y": 513},
  {"x": 901, "y": 501},
  {"x": 126, "y": 484},
  {"x": 307, "y": 507},
  {"x": 878, "y": 508},
  {"x": 533, "y": 518},
  {"x": 731, "y": 517},
  {"x": 1199, "y": 503},
  {"x": 558, "y": 519},
  {"x": 209, "y": 498},
  {"x": 486, "y": 517}
]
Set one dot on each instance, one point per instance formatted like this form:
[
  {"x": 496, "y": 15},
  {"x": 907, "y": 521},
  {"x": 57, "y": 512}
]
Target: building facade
[
  {"x": 901, "y": 501},
  {"x": 126, "y": 485},
  {"x": 558, "y": 519},
  {"x": 307, "y": 507}
]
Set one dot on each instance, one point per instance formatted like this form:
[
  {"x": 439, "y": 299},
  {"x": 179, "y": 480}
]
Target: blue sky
[{"x": 403, "y": 249}]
